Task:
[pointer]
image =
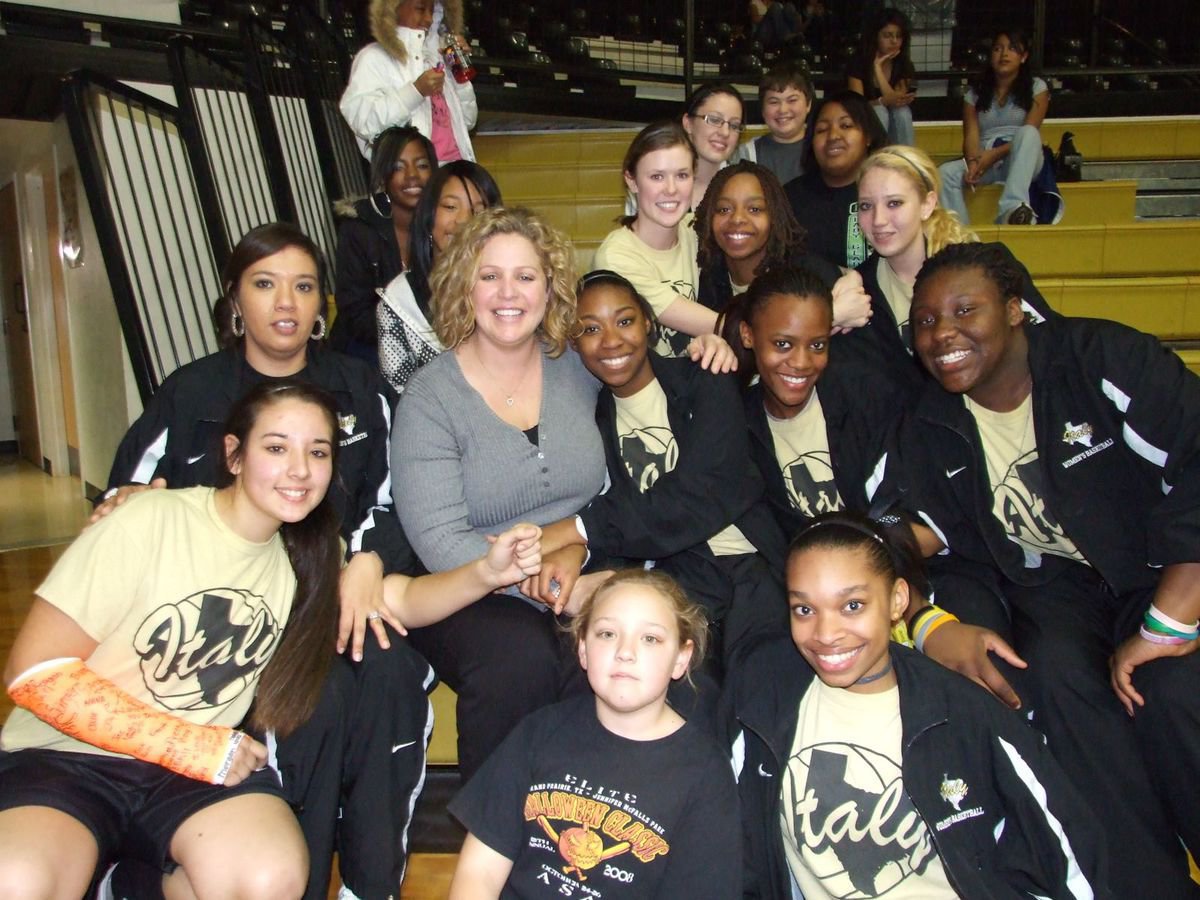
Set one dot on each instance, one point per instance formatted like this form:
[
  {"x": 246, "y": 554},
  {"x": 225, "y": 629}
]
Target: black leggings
[
  {"x": 504, "y": 658},
  {"x": 1139, "y": 774}
]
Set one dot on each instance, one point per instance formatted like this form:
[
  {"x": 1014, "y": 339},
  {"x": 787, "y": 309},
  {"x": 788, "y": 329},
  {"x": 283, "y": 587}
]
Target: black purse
[{"x": 1068, "y": 162}]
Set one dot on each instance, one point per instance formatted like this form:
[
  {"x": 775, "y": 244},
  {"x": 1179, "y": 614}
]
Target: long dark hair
[
  {"x": 1022, "y": 88},
  {"x": 859, "y": 110},
  {"x": 887, "y": 542},
  {"x": 387, "y": 149},
  {"x": 783, "y": 281},
  {"x": 290, "y": 683},
  {"x": 787, "y": 235},
  {"x": 259, "y": 243},
  {"x": 420, "y": 232},
  {"x": 902, "y": 66}
]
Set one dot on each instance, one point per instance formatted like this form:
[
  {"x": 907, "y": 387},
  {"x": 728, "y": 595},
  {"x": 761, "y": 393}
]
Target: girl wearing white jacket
[{"x": 400, "y": 79}]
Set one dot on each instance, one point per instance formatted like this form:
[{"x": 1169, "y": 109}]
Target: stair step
[
  {"x": 1168, "y": 205},
  {"x": 1167, "y": 247},
  {"x": 1109, "y": 202},
  {"x": 1142, "y": 169}
]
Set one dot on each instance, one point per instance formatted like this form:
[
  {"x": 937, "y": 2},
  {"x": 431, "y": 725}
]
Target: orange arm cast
[{"x": 81, "y": 704}]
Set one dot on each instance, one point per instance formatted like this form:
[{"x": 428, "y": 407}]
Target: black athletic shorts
[{"x": 132, "y": 808}]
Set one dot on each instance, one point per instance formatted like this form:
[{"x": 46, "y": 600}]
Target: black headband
[{"x": 920, "y": 172}]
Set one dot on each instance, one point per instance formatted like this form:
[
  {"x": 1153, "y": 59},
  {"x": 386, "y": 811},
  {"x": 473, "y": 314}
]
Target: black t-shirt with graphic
[
  {"x": 584, "y": 813},
  {"x": 830, "y": 216}
]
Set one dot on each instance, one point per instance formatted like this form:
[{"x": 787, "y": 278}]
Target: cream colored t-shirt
[
  {"x": 802, "y": 450},
  {"x": 899, "y": 297},
  {"x": 661, "y": 276},
  {"x": 1010, "y": 448},
  {"x": 185, "y": 611},
  {"x": 849, "y": 828},
  {"x": 649, "y": 450}
]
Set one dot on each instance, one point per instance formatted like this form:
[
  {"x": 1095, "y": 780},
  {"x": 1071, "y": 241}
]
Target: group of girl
[{"x": 594, "y": 760}]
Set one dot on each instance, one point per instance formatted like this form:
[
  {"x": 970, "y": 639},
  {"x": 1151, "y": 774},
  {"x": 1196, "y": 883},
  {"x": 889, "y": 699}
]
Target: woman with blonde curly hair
[
  {"x": 497, "y": 430},
  {"x": 453, "y": 281},
  {"x": 899, "y": 215}
]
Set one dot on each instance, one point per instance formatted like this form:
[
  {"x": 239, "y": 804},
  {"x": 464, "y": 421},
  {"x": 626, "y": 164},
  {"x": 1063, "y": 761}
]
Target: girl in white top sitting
[{"x": 1001, "y": 140}]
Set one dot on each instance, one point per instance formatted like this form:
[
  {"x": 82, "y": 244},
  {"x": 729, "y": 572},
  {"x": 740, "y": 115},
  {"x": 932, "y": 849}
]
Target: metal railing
[
  {"x": 278, "y": 99},
  {"x": 173, "y": 189},
  {"x": 325, "y": 73},
  {"x": 223, "y": 140},
  {"x": 141, "y": 187}
]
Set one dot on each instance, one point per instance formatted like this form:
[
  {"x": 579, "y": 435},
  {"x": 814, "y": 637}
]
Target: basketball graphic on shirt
[
  {"x": 672, "y": 342},
  {"x": 1019, "y": 505},
  {"x": 857, "y": 831},
  {"x": 203, "y": 651},
  {"x": 810, "y": 484},
  {"x": 648, "y": 453}
]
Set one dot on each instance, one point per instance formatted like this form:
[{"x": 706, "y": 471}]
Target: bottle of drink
[{"x": 458, "y": 61}]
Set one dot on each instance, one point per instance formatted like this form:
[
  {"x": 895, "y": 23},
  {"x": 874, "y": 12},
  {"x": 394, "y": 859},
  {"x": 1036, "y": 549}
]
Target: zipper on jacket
[
  {"x": 933, "y": 838},
  {"x": 776, "y": 855}
]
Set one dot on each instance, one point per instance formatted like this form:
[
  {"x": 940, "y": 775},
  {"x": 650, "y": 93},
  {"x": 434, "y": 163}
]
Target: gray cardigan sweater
[{"x": 460, "y": 473}]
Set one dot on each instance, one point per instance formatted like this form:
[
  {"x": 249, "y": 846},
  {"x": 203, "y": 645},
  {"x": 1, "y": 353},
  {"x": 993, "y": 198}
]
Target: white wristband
[{"x": 235, "y": 741}]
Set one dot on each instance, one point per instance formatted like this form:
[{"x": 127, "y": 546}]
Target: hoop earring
[
  {"x": 237, "y": 324},
  {"x": 319, "y": 332}
]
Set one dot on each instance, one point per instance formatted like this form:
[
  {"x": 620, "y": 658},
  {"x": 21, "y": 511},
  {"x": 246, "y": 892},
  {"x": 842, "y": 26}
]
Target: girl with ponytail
[{"x": 863, "y": 767}]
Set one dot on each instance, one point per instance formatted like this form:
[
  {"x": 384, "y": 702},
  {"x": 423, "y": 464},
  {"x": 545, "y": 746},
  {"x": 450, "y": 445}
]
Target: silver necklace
[{"x": 509, "y": 398}]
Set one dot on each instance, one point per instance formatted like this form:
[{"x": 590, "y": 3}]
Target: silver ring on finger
[{"x": 372, "y": 616}]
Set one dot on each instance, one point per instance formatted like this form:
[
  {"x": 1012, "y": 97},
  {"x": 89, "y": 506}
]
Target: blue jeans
[
  {"x": 897, "y": 122},
  {"x": 1017, "y": 171}
]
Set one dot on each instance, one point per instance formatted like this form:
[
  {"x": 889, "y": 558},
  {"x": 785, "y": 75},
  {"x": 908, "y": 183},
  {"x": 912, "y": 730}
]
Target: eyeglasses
[{"x": 716, "y": 120}]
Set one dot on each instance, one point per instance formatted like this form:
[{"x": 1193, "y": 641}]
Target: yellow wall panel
[
  {"x": 596, "y": 219},
  {"x": 1191, "y": 359},
  {"x": 443, "y": 744},
  {"x": 1087, "y": 202},
  {"x": 1152, "y": 248},
  {"x": 1141, "y": 138},
  {"x": 1076, "y": 250},
  {"x": 559, "y": 214},
  {"x": 1191, "y": 309},
  {"x": 1153, "y": 305},
  {"x": 521, "y": 184},
  {"x": 1051, "y": 290}
]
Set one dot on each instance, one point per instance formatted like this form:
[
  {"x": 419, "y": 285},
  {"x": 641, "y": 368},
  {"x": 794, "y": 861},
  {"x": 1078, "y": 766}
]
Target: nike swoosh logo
[
  {"x": 195, "y": 459},
  {"x": 763, "y": 772},
  {"x": 950, "y": 473},
  {"x": 396, "y": 747}
]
